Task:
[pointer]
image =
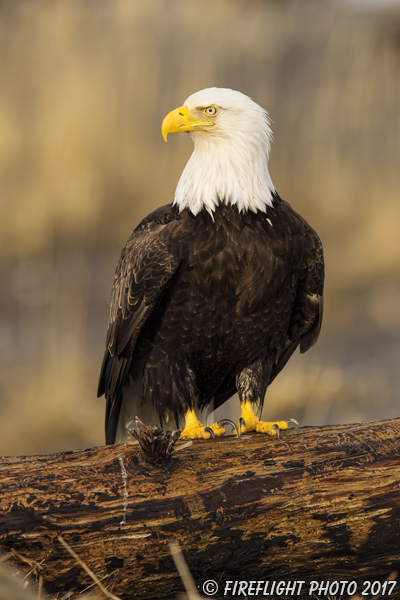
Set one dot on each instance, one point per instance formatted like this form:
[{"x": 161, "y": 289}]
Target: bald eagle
[{"x": 214, "y": 292}]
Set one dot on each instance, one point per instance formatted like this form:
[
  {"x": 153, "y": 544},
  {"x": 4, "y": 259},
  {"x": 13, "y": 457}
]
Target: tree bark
[{"x": 316, "y": 504}]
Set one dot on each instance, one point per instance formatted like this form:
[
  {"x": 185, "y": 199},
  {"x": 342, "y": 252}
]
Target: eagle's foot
[
  {"x": 194, "y": 429},
  {"x": 250, "y": 422}
]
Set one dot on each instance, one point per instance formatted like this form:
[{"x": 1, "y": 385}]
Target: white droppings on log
[{"x": 125, "y": 493}]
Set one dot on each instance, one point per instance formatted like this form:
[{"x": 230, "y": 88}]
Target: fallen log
[{"x": 317, "y": 504}]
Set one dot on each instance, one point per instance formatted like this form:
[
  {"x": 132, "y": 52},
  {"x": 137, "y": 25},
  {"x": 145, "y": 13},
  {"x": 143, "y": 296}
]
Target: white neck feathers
[{"x": 229, "y": 165}]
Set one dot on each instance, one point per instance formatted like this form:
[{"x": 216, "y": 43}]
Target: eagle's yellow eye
[{"x": 210, "y": 111}]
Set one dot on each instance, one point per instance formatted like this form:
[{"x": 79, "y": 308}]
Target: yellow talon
[
  {"x": 253, "y": 423},
  {"x": 194, "y": 429}
]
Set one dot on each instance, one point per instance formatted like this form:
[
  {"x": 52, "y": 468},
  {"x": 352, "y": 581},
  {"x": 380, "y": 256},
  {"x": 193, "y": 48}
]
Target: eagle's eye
[{"x": 210, "y": 111}]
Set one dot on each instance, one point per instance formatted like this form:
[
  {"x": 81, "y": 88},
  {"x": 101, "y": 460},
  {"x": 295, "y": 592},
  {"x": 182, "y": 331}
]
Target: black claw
[
  {"x": 241, "y": 422},
  {"x": 209, "y": 430},
  {"x": 276, "y": 427},
  {"x": 228, "y": 422}
]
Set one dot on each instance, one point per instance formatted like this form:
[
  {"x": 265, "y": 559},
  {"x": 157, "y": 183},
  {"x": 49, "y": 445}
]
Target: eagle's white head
[{"x": 232, "y": 140}]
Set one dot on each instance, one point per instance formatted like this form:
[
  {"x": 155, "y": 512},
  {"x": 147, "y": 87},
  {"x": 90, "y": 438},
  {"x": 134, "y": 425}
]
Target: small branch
[
  {"x": 183, "y": 570},
  {"x": 157, "y": 445},
  {"x": 87, "y": 570}
]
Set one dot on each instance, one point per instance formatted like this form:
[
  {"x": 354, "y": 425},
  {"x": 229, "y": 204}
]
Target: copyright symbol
[{"x": 210, "y": 587}]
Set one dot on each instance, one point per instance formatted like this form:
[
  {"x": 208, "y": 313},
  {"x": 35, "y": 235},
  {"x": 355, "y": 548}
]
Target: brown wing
[
  {"x": 143, "y": 273},
  {"x": 308, "y": 268}
]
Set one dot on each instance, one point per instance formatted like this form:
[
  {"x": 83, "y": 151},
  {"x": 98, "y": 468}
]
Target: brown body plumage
[{"x": 197, "y": 300}]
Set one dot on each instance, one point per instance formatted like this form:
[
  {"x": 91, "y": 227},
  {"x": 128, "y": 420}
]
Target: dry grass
[
  {"x": 13, "y": 587},
  {"x": 84, "y": 89}
]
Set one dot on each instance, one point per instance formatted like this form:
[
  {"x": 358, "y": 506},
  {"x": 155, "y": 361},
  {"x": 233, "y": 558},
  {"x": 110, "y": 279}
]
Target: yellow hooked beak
[{"x": 181, "y": 119}]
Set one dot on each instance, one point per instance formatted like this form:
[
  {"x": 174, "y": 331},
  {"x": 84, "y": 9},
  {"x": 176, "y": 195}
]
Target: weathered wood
[{"x": 319, "y": 503}]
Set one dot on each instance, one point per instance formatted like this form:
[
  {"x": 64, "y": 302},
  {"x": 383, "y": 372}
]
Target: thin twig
[
  {"x": 183, "y": 570},
  {"x": 86, "y": 568},
  {"x": 95, "y": 583},
  {"x": 183, "y": 446},
  {"x": 40, "y": 587}
]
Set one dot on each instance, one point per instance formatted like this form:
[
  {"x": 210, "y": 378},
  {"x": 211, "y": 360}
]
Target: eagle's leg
[
  {"x": 251, "y": 387},
  {"x": 195, "y": 429}
]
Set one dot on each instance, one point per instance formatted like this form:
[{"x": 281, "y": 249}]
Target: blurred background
[{"x": 84, "y": 88}]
